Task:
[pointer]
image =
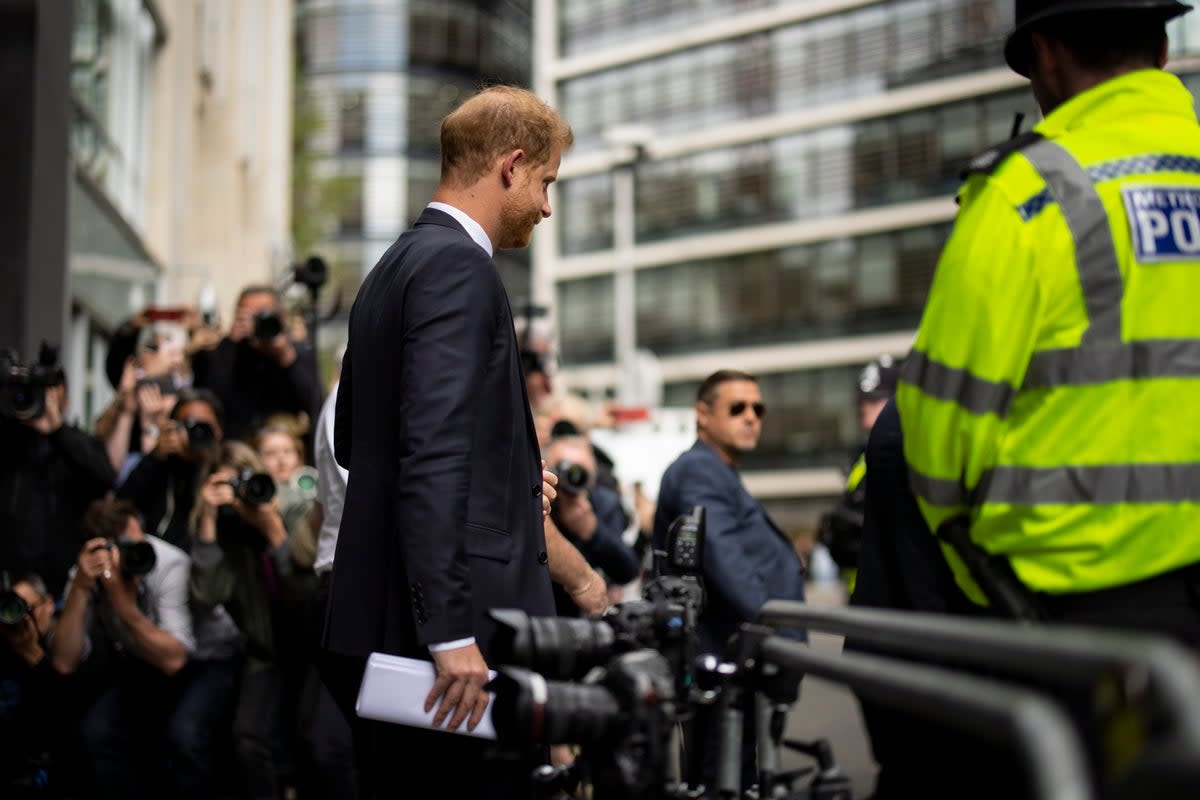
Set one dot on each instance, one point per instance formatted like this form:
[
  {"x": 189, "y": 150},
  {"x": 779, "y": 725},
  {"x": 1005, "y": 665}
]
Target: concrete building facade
[{"x": 792, "y": 185}]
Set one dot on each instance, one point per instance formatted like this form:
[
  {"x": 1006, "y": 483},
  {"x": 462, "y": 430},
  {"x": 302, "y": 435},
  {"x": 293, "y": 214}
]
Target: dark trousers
[
  {"x": 256, "y": 731},
  {"x": 199, "y": 726},
  {"x": 325, "y": 731}
]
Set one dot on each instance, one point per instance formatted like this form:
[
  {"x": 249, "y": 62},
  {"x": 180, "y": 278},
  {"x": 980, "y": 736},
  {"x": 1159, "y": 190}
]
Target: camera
[
  {"x": 13, "y": 608},
  {"x": 622, "y": 718},
  {"x": 253, "y": 488},
  {"x": 137, "y": 557},
  {"x": 267, "y": 325},
  {"x": 313, "y": 273},
  {"x": 572, "y": 478},
  {"x": 23, "y": 386},
  {"x": 200, "y": 434}
]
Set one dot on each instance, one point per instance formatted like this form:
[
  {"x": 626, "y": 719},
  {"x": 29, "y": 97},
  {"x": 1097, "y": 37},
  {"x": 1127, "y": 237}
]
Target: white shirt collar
[{"x": 473, "y": 228}]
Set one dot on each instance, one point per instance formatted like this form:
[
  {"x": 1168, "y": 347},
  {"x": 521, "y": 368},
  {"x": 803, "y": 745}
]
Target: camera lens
[
  {"x": 23, "y": 400},
  {"x": 267, "y": 325},
  {"x": 530, "y": 709},
  {"x": 256, "y": 489},
  {"x": 572, "y": 478},
  {"x": 137, "y": 558},
  {"x": 200, "y": 434},
  {"x": 13, "y": 608},
  {"x": 555, "y": 646}
]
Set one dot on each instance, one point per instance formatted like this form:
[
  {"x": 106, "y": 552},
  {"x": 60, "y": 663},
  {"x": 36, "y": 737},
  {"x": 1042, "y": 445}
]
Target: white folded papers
[{"x": 394, "y": 689}]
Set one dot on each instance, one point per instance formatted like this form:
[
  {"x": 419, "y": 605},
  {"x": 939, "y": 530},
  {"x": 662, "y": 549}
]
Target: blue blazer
[
  {"x": 747, "y": 559},
  {"x": 443, "y": 512}
]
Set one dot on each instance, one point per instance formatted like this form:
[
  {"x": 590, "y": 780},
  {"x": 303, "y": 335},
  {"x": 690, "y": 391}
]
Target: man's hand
[
  {"x": 591, "y": 595},
  {"x": 549, "y": 481},
  {"x": 23, "y": 639},
  {"x": 51, "y": 419},
  {"x": 120, "y": 590},
  {"x": 280, "y": 348},
  {"x": 94, "y": 562},
  {"x": 461, "y": 675},
  {"x": 574, "y": 514}
]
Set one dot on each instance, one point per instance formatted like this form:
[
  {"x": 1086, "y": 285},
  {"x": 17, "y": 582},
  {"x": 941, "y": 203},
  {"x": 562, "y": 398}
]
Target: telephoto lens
[
  {"x": 253, "y": 488},
  {"x": 556, "y": 646},
  {"x": 137, "y": 558},
  {"x": 529, "y": 709}
]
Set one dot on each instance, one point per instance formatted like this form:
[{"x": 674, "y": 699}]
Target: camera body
[
  {"x": 253, "y": 488},
  {"x": 572, "y": 478},
  {"x": 23, "y": 386},
  {"x": 267, "y": 325}
]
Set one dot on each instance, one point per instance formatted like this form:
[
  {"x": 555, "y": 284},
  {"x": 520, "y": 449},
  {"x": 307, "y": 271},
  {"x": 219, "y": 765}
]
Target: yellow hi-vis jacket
[{"x": 1053, "y": 392}]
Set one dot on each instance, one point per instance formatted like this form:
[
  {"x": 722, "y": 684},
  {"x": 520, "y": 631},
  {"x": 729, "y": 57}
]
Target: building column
[{"x": 35, "y": 81}]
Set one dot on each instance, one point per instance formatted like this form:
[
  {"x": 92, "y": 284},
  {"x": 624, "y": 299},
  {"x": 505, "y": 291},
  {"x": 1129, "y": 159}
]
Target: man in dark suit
[
  {"x": 747, "y": 559},
  {"x": 443, "y": 517}
]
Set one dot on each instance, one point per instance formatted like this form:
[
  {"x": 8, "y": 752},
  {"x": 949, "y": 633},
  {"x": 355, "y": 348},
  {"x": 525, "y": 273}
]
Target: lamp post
[{"x": 629, "y": 144}]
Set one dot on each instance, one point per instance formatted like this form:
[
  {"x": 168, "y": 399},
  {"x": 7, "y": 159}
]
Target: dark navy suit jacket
[
  {"x": 443, "y": 512},
  {"x": 747, "y": 559}
]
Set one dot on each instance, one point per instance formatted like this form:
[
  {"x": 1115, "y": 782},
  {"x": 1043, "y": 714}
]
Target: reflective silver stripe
[
  {"x": 1155, "y": 358},
  {"x": 1103, "y": 485},
  {"x": 1095, "y": 254},
  {"x": 977, "y": 395},
  {"x": 939, "y": 491}
]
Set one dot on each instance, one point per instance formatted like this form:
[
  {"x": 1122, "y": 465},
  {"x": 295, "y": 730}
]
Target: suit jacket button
[
  {"x": 542, "y": 557},
  {"x": 537, "y": 490}
]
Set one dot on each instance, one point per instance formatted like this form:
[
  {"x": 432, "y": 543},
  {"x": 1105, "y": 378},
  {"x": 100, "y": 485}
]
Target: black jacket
[
  {"x": 164, "y": 491},
  {"x": 46, "y": 484},
  {"x": 443, "y": 513}
]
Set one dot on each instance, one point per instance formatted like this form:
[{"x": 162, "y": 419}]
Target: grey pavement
[{"x": 828, "y": 710}]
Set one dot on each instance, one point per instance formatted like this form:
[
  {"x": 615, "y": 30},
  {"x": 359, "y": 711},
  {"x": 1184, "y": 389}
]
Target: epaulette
[{"x": 986, "y": 162}]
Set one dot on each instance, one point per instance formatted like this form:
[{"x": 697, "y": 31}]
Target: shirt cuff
[{"x": 437, "y": 648}]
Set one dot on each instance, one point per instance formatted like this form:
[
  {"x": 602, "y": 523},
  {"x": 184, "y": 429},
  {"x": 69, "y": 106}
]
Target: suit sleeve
[
  {"x": 450, "y": 312},
  {"x": 726, "y": 568}
]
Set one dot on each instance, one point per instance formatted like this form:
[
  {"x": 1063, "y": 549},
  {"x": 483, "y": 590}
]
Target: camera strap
[{"x": 169, "y": 512}]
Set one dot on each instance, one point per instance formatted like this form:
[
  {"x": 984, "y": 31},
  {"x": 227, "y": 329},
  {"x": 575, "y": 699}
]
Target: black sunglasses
[{"x": 739, "y": 408}]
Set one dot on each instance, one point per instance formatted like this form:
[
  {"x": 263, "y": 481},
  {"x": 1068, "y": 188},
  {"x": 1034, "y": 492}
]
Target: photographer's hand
[
  {"x": 281, "y": 349},
  {"x": 461, "y": 675},
  {"x": 23, "y": 640},
  {"x": 51, "y": 419},
  {"x": 94, "y": 562},
  {"x": 574, "y": 514},
  {"x": 549, "y": 492},
  {"x": 172, "y": 441},
  {"x": 265, "y": 519}
]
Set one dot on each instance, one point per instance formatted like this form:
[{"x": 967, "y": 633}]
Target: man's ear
[
  {"x": 508, "y": 168},
  {"x": 702, "y": 414}
]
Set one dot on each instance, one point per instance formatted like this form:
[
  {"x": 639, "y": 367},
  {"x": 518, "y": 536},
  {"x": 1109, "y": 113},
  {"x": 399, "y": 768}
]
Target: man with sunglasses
[{"x": 748, "y": 560}]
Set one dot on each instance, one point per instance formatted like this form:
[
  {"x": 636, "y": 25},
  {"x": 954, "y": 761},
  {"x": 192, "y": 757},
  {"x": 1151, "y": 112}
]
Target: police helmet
[
  {"x": 878, "y": 379},
  {"x": 1028, "y": 13}
]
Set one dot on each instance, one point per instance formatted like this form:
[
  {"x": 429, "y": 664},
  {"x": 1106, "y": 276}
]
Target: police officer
[
  {"x": 841, "y": 528},
  {"x": 1051, "y": 404}
]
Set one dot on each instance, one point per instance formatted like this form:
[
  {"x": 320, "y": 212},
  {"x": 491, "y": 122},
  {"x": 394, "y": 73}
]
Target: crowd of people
[{"x": 157, "y": 574}]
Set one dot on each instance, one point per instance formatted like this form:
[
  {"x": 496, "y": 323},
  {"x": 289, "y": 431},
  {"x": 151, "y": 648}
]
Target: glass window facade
[{"x": 912, "y": 156}]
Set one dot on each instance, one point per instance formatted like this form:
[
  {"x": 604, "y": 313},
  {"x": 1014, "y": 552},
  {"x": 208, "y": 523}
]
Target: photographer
[
  {"x": 35, "y": 700},
  {"x": 127, "y": 631},
  {"x": 149, "y": 386},
  {"x": 257, "y": 370},
  {"x": 242, "y": 562},
  {"x": 590, "y": 516},
  {"x": 49, "y": 470},
  {"x": 163, "y": 485}
]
